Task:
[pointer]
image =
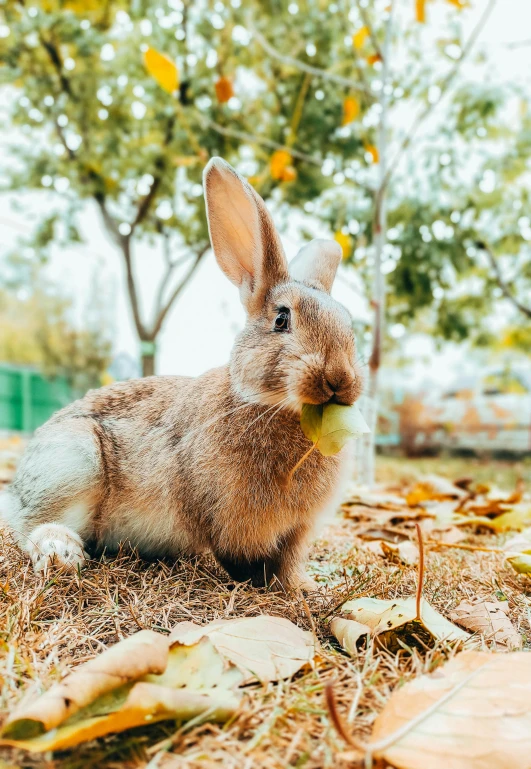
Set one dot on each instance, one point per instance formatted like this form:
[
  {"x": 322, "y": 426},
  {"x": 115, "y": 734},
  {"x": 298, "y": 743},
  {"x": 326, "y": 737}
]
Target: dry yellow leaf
[
  {"x": 490, "y": 619},
  {"x": 348, "y": 632},
  {"x": 179, "y": 683},
  {"x": 351, "y": 110},
  {"x": 162, "y": 69},
  {"x": 390, "y": 619},
  {"x": 474, "y": 712},
  {"x": 263, "y": 647},
  {"x": 433, "y": 487},
  {"x": 142, "y": 653},
  {"x": 150, "y": 677},
  {"x": 359, "y": 38}
]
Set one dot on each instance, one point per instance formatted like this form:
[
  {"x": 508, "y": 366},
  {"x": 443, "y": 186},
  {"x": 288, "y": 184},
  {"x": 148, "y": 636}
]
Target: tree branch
[
  {"x": 131, "y": 288},
  {"x": 159, "y": 320},
  {"x": 108, "y": 220},
  {"x": 147, "y": 200},
  {"x": 289, "y": 61},
  {"x": 271, "y": 144},
  {"x": 446, "y": 83},
  {"x": 365, "y": 18},
  {"x": 508, "y": 294},
  {"x": 57, "y": 63}
]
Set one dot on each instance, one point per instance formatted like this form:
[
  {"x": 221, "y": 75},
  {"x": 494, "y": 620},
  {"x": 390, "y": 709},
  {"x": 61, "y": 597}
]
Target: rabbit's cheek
[{"x": 306, "y": 380}]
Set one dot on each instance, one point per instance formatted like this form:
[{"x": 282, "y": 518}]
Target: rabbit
[{"x": 176, "y": 466}]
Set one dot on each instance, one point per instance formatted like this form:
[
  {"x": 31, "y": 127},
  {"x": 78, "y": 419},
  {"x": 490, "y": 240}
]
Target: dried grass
[{"x": 47, "y": 626}]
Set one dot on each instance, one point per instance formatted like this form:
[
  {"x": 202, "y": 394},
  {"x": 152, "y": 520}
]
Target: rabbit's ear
[
  {"x": 316, "y": 264},
  {"x": 245, "y": 241}
]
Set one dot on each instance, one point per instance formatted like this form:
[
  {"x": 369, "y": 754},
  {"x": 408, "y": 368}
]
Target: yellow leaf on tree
[
  {"x": 224, "y": 90},
  {"x": 278, "y": 162},
  {"x": 458, "y": 3},
  {"x": 345, "y": 241},
  {"x": 162, "y": 69},
  {"x": 351, "y": 110},
  {"x": 359, "y": 38},
  {"x": 420, "y": 11},
  {"x": 289, "y": 174},
  {"x": 373, "y": 152}
]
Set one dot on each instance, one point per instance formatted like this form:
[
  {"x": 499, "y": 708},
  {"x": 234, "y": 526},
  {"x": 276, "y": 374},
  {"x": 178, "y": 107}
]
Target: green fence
[{"x": 27, "y": 399}]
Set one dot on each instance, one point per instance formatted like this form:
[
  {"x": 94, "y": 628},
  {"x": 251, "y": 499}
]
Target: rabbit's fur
[{"x": 176, "y": 465}]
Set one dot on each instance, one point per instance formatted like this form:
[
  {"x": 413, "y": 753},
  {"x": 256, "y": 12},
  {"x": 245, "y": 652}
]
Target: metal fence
[{"x": 27, "y": 399}]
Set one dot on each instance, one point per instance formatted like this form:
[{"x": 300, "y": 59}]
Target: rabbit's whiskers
[
  {"x": 229, "y": 413},
  {"x": 276, "y": 406}
]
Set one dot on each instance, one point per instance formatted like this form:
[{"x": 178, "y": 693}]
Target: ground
[{"x": 46, "y": 626}]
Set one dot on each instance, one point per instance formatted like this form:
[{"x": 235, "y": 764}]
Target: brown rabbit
[{"x": 175, "y": 465}]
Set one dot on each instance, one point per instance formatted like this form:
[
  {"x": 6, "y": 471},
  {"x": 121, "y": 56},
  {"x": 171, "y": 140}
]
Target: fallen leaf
[
  {"x": 387, "y": 535},
  {"x": 162, "y": 69},
  {"x": 518, "y": 551},
  {"x": 330, "y": 426},
  {"x": 473, "y": 712},
  {"x": 196, "y": 680},
  {"x": 397, "y": 552},
  {"x": 397, "y": 618},
  {"x": 406, "y": 552},
  {"x": 264, "y": 647},
  {"x": 521, "y": 562},
  {"x": 379, "y": 500},
  {"x": 433, "y": 487},
  {"x": 490, "y": 619},
  {"x": 150, "y": 677},
  {"x": 515, "y": 520},
  {"x": 348, "y": 632},
  {"x": 136, "y": 656}
]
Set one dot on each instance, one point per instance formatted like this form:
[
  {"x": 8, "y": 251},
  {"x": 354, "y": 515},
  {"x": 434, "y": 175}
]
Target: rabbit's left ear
[
  {"x": 245, "y": 241},
  {"x": 316, "y": 264}
]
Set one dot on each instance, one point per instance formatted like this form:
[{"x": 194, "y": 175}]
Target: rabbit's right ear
[{"x": 245, "y": 241}]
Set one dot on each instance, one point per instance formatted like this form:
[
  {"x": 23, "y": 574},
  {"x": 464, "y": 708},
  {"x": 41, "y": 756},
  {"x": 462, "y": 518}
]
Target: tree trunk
[
  {"x": 147, "y": 353},
  {"x": 366, "y": 471}
]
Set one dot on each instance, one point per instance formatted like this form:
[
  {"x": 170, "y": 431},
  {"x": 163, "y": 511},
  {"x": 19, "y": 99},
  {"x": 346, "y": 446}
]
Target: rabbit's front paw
[{"x": 55, "y": 545}]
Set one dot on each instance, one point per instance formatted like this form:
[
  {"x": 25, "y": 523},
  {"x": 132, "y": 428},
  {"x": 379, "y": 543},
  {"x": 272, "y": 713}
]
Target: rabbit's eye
[{"x": 282, "y": 320}]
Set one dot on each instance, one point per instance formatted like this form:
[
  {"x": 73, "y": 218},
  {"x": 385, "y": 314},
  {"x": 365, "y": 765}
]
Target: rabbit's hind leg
[{"x": 50, "y": 504}]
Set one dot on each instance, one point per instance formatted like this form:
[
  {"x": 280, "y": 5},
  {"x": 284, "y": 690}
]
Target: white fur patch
[{"x": 53, "y": 544}]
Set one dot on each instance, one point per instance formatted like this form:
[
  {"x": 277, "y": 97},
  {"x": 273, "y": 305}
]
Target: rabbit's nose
[{"x": 341, "y": 387}]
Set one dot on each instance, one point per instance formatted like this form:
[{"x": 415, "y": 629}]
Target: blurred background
[{"x": 400, "y": 128}]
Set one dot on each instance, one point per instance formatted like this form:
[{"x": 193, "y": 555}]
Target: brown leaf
[
  {"x": 264, "y": 647},
  {"x": 474, "y": 712},
  {"x": 433, "y": 487},
  {"x": 348, "y": 632},
  {"x": 397, "y": 618},
  {"x": 490, "y": 619}
]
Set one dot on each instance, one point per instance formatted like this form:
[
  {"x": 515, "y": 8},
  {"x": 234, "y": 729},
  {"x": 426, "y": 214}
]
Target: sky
[{"x": 200, "y": 330}]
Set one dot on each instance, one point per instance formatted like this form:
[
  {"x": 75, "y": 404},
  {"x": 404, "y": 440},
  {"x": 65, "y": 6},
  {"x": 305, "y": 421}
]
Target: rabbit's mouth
[{"x": 315, "y": 382}]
